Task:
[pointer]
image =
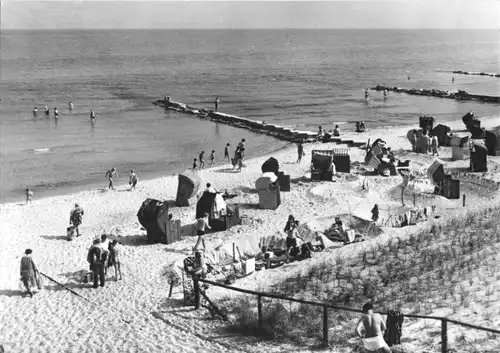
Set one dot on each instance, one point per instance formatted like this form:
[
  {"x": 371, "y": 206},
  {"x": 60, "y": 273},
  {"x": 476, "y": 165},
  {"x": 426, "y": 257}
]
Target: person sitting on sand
[
  {"x": 29, "y": 272},
  {"x": 133, "y": 179},
  {"x": 370, "y": 329},
  {"x": 336, "y": 131},
  {"x": 76, "y": 217},
  {"x": 195, "y": 164},
  {"x": 300, "y": 152},
  {"x": 212, "y": 158},
  {"x": 115, "y": 258},
  {"x": 29, "y": 195},
  {"x": 226, "y": 153},
  {"x": 110, "y": 174},
  {"x": 202, "y": 159},
  {"x": 201, "y": 225}
]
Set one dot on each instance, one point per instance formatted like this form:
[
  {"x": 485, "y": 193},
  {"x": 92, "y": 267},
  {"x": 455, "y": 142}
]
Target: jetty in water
[
  {"x": 489, "y": 74},
  {"x": 278, "y": 131},
  {"x": 459, "y": 95}
]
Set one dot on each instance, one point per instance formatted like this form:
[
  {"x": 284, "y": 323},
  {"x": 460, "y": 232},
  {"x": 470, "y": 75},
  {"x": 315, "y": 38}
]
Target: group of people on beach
[
  {"x": 237, "y": 161},
  {"x": 56, "y": 112},
  {"x": 102, "y": 255}
]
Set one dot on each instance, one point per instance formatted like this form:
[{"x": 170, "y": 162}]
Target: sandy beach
[{"x": 135, "y": 315}]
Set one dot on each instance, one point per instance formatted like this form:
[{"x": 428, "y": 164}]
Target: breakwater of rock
[
  {"x": 459, "y": 95},
  {"x": 489, "y": 74},
  {"x": 278, "y": 131}
]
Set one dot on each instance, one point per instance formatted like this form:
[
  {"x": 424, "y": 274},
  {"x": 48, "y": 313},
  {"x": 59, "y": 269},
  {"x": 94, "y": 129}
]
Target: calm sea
[{"x": 302, "y": 78}]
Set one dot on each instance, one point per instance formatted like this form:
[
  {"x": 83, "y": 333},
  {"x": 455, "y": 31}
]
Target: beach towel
[{"x": 374, "y": 343}]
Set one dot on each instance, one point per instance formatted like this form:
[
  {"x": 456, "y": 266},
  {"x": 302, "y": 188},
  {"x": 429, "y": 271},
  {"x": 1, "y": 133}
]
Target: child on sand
[
  {"x": 212, "y": 158},
  {"x": 133, "y": 180},
  {"x": 29, "y": 195},
  {"x": 110, "y": 174}
]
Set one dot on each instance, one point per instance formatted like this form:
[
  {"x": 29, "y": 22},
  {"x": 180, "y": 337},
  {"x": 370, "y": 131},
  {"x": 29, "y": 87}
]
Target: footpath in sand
[{"x": 132, "y": 315}]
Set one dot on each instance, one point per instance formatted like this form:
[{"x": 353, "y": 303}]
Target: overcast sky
[{"x": 18, "y": 14}]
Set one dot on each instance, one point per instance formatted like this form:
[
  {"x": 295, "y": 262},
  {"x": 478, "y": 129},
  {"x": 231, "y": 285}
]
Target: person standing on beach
[
  {"x": 434, "y": 145},
  {"x": 115, "y": 258},
  {"x": 300, "y": 151},
  {"x": 29, "y": 195},
  {"x": 367, "y": 95},
  {"x": 385, "y": 94},
  {"x": 76, "y": 217},
  {"x": 29, "y": 272},
  {"x": 133, "y": 179},
  {"x": 195, "y": 164},
  {"x": 70, "y": 106},
  {"x": 95, "y": 260},
  {"x": 241, "y": 147},
  {"x": 453, "y": 79},
  {"x": 56, "y": 113},
  {"x": 212, "y": 158},
  {"x": 226, "y": 153},
  {"x": 217, "y": 103},
  {"x": 370, "y": 329},
  {"x": 35, "y": 111},
  {"x": 202, "y": 159},
  {"x": 105, "y": 248},
  {"x": 92, "y": 116},
  {"x": 47, "y": 110},
  {"x": 201, "y": 225},
  {"x": 110, "y": 174}
]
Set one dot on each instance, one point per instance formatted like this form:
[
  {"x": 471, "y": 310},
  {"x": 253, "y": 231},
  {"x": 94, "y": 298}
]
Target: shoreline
[
  {"x": 457, "y": 124},
  {"x": 489, "y": 122}
]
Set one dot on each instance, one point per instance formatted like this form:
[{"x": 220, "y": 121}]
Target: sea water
[{"x": 300, "y": 78}]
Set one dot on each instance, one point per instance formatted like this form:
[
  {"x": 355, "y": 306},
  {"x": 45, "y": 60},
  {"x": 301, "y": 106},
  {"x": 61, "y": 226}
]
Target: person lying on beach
[
  {"x": 226, "y": 153},
  {"x": 110, "y": 174},
  {"x": 370, "y": 329},
  {"x": 29, "y": 195},
  {"x": 29, "y": 272},
  {"x": 212, "y": 158},
  {"x": 133, "y": 179},
  {"x": 202, "y": 159},
  {"x": 76, "y": 217}
]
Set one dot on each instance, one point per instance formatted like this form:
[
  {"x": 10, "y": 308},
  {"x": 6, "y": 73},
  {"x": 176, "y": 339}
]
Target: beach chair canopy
[
  {"x": 492, "y": 139},
  {"x": 436, "y": 171},
  {"x": 321, "y": 161},
  {"x": 189, "y": 185},
  {"x": 271, "y": 165},
  {"x": 265, "y": 181},
  {"x": 479, "y": 156},
  {"x": 207, "y": 202},
  {"x": 459, "y": 141},
  {"x": 441, "y": 132},
  {"x": 426, "y": 123},
  {"x": 153, "y": 216}
]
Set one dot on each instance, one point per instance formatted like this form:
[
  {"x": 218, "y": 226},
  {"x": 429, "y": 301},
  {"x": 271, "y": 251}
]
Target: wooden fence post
[
  {"x": 414, "y": 199},
  {"x": 196, "y": 285},
  {"x": 259, "y": 312},
  {"x": 444, "y": 336},
  {"x": 325, "y": 325}
]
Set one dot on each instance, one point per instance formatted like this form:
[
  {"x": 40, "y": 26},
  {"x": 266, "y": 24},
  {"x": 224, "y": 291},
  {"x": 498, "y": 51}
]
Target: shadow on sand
[{"x": 55, "y": 237}]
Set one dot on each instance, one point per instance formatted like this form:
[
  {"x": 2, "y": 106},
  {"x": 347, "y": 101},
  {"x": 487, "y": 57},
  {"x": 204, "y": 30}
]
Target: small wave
[{"x": 41, "y": 150}]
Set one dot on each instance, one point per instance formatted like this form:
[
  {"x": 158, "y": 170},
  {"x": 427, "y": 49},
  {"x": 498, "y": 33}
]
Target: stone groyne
[
  {"x": 460, "y": 95},
  {"x": 489, "y": 74},
  {"x": 278, "y": 131}
]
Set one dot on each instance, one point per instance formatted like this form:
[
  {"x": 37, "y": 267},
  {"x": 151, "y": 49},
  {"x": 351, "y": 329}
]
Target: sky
[{"x": 83, "y": 14}]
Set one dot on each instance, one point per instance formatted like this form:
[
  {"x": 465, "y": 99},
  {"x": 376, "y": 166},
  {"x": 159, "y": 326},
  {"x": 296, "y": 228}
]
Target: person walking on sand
[
  {"x": 217, "y": 103},
  {"x": 212, "y": 158},
  {"x": 133, "y": 179},
  {"x": 238, "y": 159},
  {"x": 370, "y": 329},
  {"x": 76, "y": 217},
  {"x": 110, "y": 174},
  {"x": 114, "y": 259},
  {"x": 29, "y": 272},
  {"x": 202, "y": 159},
  {"x": 241, "y": 147},
  {"x": 226, "y": 153},
  {"x": 95, "y": 258},
  {"x": 300, "y": 152},
  {"x": 201, "y": 225},
  {"x": 29, "y": 195}
]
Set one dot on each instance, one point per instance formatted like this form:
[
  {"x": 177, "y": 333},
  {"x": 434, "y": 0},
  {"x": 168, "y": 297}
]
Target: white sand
[{"x": 55, "y": 320}]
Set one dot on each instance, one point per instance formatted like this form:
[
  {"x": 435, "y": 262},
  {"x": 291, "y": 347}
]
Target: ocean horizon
[{"x": 295, "y": 77}]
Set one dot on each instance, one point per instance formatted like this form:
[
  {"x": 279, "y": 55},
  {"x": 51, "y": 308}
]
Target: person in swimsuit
[
  {"x": 133, "y": 179},
  {"x": 212, "y": 158},
  {"x": 226, "y": 153},
  {"x": 202, "y": 159},
  {"x": 110, "y": 174},
  {"x": 195, "y": 164},
  {"x": 201, "y": 225},
  {"x": 217, "y": 103},
  {"x": 370, "y": 329}
]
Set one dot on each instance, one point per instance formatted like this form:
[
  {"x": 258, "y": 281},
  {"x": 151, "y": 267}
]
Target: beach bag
[{"x": 70, "y": 232}]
